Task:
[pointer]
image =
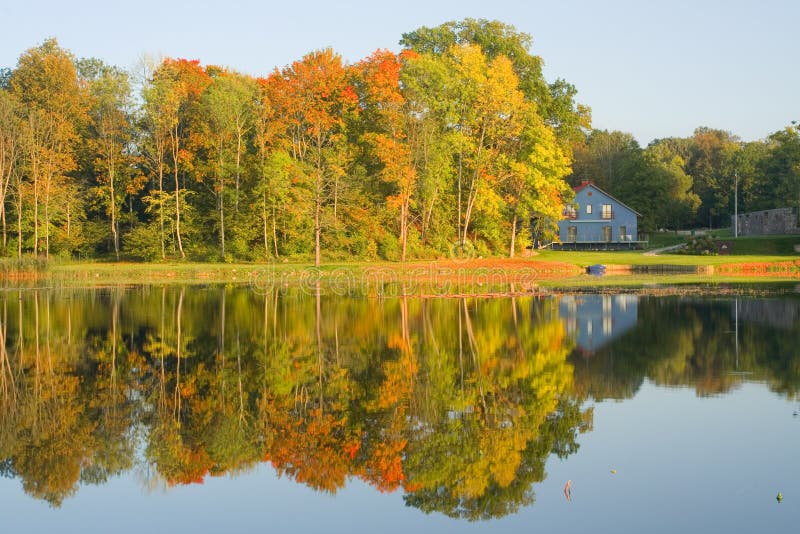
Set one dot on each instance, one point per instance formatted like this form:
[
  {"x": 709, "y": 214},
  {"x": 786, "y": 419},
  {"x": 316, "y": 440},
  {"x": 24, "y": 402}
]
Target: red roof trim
[{"x": 579, "y": 188}]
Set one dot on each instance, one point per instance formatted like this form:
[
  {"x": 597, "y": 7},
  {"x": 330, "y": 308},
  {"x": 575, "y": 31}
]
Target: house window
[
  {"x": 623, "y": 234},
  {"x": 570, "y": 212},
  {"x": 606, "y": 212},
  {"x": 572, "y": 234},
  {"x": 607, "y": 234},
  {"x": 588, "y": 209}
]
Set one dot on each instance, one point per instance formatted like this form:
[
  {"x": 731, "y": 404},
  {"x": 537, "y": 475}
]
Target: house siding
[{"x": 590, "y": 227}]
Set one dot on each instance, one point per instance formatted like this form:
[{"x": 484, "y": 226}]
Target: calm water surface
[{"x": 203, "y": 409}]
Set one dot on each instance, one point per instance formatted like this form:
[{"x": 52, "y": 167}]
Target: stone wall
[{"x": 769, "y": 222}]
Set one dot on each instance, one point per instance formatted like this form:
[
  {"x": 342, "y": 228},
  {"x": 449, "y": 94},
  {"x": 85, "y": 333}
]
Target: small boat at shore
[{"x": 596, "y": 270}]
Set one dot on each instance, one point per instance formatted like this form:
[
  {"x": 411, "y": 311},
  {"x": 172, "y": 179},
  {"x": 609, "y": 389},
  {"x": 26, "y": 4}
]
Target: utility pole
[{"x": 736, "y": 204}]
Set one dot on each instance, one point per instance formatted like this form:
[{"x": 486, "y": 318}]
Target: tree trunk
[
  {"x": 221, "y": 199},
  {"x": 404, "y": 228},
  {"x": 317, "y": 204},
  {"x": 47, "y": 217},
  {"x": 114, "y": 229},
  {"x": 460, "y": 174},
  {"x": 178, "y": 215},
  {"x": 222, "y": 224},
  {"x": 5, "y": 235},
  {"x": 35, "y": 212},
  {"x": 19, "y": 218},
  {"x": 175, "y": 152},
  {"x": 161, "y": 208},
  {"x": 264, "y": 221},
  {"x": 473, "y": 186},
  {"x": 317, "y": 209},
  {"x": 335, "y": 200},
  {"x": 238, "y": 167},
  {"x": 275, "y": 232},
  {"x": 513, "y": 236},
  {"x": 6, "y": 171}
]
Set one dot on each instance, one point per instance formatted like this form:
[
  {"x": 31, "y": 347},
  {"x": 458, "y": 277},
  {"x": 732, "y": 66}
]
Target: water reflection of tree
[
  {"x": 456, "y": 402},
  {"x": 491, "y": 409},
  {"x": 51, "y": 436},
  {"x": 692, "y": 342}
]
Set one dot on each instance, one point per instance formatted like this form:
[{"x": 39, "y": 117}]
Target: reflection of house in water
[{"x": 595, "y": 320}]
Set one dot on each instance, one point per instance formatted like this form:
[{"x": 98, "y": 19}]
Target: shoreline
[{"x": 447, "y": 276}]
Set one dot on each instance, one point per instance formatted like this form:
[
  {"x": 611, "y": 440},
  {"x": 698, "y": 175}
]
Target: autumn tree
[
  {"x": 555, "y": 101},
  {"x": 315, "y": 97},
  {"x": 172, "y": 103},
  {"x": 46, "y": 84},
  {"x": 157, "y": 110},
  {"x": 384, "y": 106},
  {"x": 534, "y": 186},
  {"x": 11, "y": 146}
]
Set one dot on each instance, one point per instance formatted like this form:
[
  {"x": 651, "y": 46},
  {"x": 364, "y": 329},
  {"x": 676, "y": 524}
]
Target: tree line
[
  {"x": 678, "y": 183},
  {"x": 458, "y": 141}
]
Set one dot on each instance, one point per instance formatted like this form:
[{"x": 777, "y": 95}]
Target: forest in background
[{"x": 455, "y": 143}]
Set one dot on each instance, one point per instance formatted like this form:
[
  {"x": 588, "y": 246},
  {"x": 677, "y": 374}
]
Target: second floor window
[
  {"x": 588, "y": 209},
  {"x": 606, "y": 211}
]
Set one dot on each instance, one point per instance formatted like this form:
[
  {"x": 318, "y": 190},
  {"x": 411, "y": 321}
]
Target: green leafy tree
[
  {"x": 228, "y": 109},
  {"x": 779, "y": 182},
  {"x": 110, "y": 139}
]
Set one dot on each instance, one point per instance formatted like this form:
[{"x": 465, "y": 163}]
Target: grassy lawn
[
  {"x": 783, "y": 245},
  {"x": 664, "y": 239},
  {"x": 560, "y": 267}
]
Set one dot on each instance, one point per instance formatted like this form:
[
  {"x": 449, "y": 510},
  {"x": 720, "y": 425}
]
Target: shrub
[{"x": 700, "y": 246}]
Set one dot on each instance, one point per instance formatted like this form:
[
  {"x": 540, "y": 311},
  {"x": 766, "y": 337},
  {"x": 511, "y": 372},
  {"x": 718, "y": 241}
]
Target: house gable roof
[{"x": 587, "y": 183}]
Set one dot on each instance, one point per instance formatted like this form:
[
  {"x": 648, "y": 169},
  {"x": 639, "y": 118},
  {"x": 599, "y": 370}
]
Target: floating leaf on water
[
  {"x": 613, "y": 471},
  {"x": 779, "y": 498}
]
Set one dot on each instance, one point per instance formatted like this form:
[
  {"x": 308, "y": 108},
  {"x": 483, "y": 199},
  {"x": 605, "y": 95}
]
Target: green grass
[
  {"x": 664, "y": 239},
  {"x": 765, "y": 245}
]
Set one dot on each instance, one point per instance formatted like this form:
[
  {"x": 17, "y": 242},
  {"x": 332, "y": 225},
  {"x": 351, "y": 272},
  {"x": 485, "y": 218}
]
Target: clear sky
[{"x": 654, "y": 69}]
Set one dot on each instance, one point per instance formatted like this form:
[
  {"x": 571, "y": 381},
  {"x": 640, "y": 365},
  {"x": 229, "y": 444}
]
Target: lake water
[{"x": 208, "y": 409}]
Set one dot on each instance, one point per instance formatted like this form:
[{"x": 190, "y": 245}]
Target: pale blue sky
[{"x": 651, "y": 69}]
